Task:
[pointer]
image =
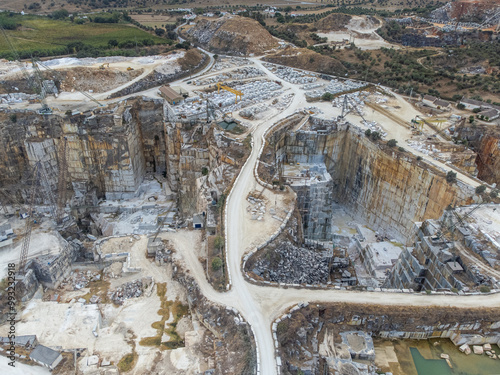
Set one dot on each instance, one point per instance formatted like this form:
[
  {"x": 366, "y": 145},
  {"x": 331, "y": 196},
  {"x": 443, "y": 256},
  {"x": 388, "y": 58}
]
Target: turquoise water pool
[{"x": 462, "y": 364}]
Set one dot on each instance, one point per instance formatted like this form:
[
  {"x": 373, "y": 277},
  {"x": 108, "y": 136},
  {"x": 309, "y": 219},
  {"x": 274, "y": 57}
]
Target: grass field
[
  {"x": 154, "y": 20},
  {"x": 42, "y": 33}
]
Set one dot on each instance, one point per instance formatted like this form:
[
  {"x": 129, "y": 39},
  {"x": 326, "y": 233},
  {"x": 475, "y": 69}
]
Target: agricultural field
[
  {"x": 38, "y": 35},
  {"x": 154, "y": 20}
]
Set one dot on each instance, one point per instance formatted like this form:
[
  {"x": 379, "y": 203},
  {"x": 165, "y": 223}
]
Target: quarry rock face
[
  {"x": 389, "y": 190},
  {"x": 109, "y": 151},
  {"x": 233, "y": 35},
  {"x": 486, "y": 142}
]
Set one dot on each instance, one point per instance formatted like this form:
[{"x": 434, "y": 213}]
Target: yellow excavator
[{"x": 103, "y": 66}]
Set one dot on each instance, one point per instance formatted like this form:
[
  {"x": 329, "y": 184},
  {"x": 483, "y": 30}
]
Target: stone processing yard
[{"x": 192, "y": 219}]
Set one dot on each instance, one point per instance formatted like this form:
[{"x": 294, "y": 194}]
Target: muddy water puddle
[{"x": 422, "y": 357}]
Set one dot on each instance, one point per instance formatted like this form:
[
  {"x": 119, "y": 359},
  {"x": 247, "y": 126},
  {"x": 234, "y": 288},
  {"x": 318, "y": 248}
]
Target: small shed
[
  {"x": 170, "y": 95},
  {"x": 198, "y": 221},
  {"x": 46, "y": 357}
]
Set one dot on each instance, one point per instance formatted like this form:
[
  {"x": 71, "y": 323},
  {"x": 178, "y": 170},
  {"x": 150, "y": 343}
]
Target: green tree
[
  {"x": 392, "y": 142},
  {"x": 326, "y": 96},
  {"x": 494, "y": 193},
  {"x": 60, "y": 14},
  {"x": 112, "y": 43},
  {"x": 219, "y": 242},
  {"x": 216, "y": 263},
  {"x": 451, "y": 177},
  {"x": 480, "y": 189}
]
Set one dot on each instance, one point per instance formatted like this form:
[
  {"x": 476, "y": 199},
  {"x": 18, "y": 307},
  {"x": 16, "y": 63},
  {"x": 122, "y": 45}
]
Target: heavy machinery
[
  {"x": 40, "y": 185},
  {"x": 61, "y": 189},
  {"x": 229, "y": 89},
  {"x": 60, "y": 78},
  {"x": 130, "y": 68},
  {"x": 104, "y": 66}
]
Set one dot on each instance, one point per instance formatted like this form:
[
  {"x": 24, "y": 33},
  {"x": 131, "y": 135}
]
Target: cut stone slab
[{"x": 478, "y": 349}]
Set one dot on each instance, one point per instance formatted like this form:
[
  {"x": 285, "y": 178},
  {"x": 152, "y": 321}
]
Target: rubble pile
[
  {"x": 17, "y": 97},
  {"x": 294, "y": 265},
  {"x": 80, "y": 279},
  {"x": 257, "y": 208},
  {"x": 335, "y": 87},
  {"x": 230, "y": 62},
  {"x": 293, "y": 75},
  {"x": 114, "y": 270},
  {"x": 132, "y": 289},
  {"x": 285, "y": 101},
  {"x": 237, "y": 74},
  {"x": 374, "y": 127},
  {"x": 254, "y": 92},
  {"x": 250, "y": 112}
]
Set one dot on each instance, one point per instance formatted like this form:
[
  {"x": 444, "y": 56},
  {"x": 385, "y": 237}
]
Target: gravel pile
[{"x": 293, "y": 265}]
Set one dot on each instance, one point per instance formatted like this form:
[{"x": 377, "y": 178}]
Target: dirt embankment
[
  {"x": 333, "y": 22},
  {"x": 235, "y": 348},
  {"x": 303, "y": 58},
  {"x": 97, "y": 80},
  {"x": 77, "y": 78},
  {"x": 232, "y": 35}
]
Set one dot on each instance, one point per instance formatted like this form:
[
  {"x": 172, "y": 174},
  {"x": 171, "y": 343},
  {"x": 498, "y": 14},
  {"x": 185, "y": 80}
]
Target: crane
[
  {"x": 346, "y": 110},
  {"x": 61, "y": 189},
  {"x": 39, "y": 182},
  {"x": 237, "y": 93},
  {"x": 41, "y": 89},
  {"x": 60, "y": 78}
]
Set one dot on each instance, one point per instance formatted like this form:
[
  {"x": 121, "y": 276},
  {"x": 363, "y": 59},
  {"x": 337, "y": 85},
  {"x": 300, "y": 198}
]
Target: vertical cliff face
[
  {"x": 108, "y": 152},
  {"x": 485, "y": 140},
  {"x": 388, "y": 189}
]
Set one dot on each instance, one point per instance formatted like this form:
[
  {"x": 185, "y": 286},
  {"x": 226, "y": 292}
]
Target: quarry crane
[
  {"x": 229, "y": 89},
  {"x": 421, "y": 121},
  {"x": 39, "y": 182},
  {"x": 61, "y": 189},
  {"x": 41, "y": 89},
  {"x": 346, "y": 110},
  {"x": 28, "y": 225}
]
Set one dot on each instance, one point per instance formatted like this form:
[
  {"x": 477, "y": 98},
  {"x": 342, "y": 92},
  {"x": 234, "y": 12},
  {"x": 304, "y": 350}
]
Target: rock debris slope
[{"x": 232, "y": 35}]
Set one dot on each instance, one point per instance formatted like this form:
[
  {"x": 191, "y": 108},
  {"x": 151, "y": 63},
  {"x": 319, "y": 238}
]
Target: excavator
[{"x": 104, "y": 66}]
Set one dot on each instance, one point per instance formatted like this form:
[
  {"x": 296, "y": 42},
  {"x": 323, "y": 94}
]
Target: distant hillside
[
  {"x": 232, "y": 35},
  {"x": 333, "y": 22},
  {"x": 304, "y": 58}
]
